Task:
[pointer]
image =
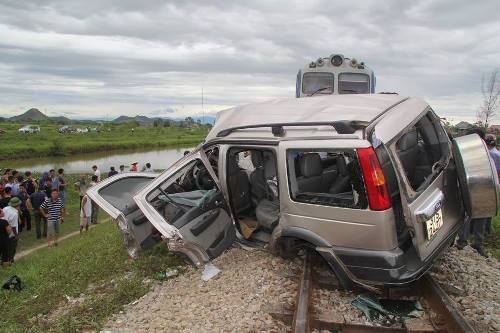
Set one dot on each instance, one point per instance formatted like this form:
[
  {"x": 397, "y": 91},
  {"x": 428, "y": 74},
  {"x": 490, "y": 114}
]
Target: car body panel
[
  {"x": 339, "y": 226},
  {"x": 114, "y": 195},
  {"x": 199, "y": 248}
]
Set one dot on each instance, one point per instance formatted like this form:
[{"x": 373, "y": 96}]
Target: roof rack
[{"x": 341, "y": 126}]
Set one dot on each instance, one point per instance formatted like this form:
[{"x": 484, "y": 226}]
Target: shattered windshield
[
  {"x": 353, "y": 83},
  {"x": 317, "y": 83}
]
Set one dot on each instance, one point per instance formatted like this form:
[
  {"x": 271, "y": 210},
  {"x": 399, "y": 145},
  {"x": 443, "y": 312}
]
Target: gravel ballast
[
  {"x": 250, "y": 283},
  {"x": 237, "y": 299},
  {"x": 473, "y": 284}
]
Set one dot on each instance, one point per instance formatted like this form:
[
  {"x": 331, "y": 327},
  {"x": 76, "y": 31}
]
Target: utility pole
[{"x": 202, "y": 106}]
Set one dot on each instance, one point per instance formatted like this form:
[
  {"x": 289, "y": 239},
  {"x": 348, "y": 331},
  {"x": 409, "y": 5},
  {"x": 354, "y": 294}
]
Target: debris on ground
[
  {"x": 387, "y": 312},
  {"x": 209, "y": 272}
]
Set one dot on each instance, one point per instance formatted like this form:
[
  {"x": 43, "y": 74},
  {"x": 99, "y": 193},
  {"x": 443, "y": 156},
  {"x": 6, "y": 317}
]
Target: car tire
[{"x": 477, "y": 176}]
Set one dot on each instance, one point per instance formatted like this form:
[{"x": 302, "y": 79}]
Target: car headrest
[
  {"x": 232, "y": 165},
  {"x": 269, "y": 165},
  {"x": 408, "y": 141},
  {"x": 341, "y": 165},
  {"x": 310, "y": 165},
  {"x": 257, "y": 158}
]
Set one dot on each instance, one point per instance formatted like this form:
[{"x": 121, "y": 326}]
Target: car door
[
  {"x": 115, "y": 196},
  {"x": 427, "y": 178},
  {"x": 187, "y": 206}
]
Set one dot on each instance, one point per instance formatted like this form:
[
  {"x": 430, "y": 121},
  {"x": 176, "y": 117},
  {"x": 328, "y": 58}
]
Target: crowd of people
[{"x": 26, "y": 201}]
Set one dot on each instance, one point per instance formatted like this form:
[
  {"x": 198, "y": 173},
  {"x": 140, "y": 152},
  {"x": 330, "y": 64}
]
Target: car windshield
[
  {"x": 353, "y": 83},
  {"x": 317, "y": 83}
]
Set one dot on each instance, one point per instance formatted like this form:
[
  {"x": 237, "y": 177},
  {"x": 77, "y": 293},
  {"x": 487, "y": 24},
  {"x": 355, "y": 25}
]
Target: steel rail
[{"x": 301, "y": 322}]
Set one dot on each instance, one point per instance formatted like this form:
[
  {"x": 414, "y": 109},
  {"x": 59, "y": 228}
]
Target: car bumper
[{"x": 392, "y": 268}]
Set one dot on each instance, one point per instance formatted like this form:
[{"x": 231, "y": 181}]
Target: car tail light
[{"x": 379, "y": 197}]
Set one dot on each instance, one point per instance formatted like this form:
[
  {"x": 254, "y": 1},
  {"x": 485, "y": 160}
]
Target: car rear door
[
  {"x": 427, "y": 179},
  {"x": 187, "y": 206},
  {"x": 115, "y": 196}
]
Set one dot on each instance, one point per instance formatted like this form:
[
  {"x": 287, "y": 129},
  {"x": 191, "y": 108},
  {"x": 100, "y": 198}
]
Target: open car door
[
  {"x": 187, "y": 206},
  {"x": 115, "y": 196},
  {"x": 435, "y": 187}
]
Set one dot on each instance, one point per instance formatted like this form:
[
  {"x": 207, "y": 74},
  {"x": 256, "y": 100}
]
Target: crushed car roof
[{"x": 318, "y": 109}]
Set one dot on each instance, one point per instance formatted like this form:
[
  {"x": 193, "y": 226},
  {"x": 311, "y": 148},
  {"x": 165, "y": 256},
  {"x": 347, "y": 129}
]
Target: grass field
[
  {"x": 49, "y": 142},
  {"x": 95, "y": 265},
  {"x": 79, "y": 284}
]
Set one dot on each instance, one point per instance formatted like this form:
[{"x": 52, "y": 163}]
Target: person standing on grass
[
  {"x": 122, "y": 168},
  {"x": 34, "y": 202},
  {"x": 81, "y": 186},
  {"x": 62, "y": 185},
  {"x": 85, "y": 213},
  {"x": 4, "y": 201},
  {"x": 47, "y": 188},
  {"x": 11, "y": 214},
  {"x": 54, "y": 179},
  {"x": 53, "y": 210},
  {"x": 97, "y": 172},
  {"x": 15, "y": 186},
  {"x": 43, "y": 179},
  {"x": 25, "y": 217},
  {"x": 112, "y": 171},
  {"x": 30, "y": 183},
  {"x": 10, "y": 183},
  {"x": 5, "y": 234},
  {"x": 95, "y": 207},
  {"x": 133, "y": 167}
]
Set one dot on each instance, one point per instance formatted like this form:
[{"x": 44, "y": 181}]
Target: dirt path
[{"x": 24, "y": 253}]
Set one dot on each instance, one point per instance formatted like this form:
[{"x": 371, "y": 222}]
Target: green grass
[
  {"x": 493, "y": 240},
  {"x": 94, "y": 264},
  {"x": 49, "y": 142}
]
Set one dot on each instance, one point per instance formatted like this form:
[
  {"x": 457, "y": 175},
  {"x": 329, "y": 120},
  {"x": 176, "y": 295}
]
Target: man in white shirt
[
  {"x": 11, "y": 215},
  {"x": 97, "y": 173}
]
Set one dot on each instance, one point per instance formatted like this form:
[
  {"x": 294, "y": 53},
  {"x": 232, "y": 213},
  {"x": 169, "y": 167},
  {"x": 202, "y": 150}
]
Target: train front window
[
  {"x": 354, "y": 83},
  {"x": 317, "y": 83}
]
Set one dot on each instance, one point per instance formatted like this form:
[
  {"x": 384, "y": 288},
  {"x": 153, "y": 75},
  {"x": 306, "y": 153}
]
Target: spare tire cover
[{"x": 477, "y": 176}]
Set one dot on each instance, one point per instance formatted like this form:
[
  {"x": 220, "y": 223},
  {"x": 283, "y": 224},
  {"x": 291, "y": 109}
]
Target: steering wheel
[{"x": 202, "y": 178}]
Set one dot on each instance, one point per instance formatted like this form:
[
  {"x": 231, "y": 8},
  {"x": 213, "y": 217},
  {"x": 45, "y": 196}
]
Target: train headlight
[
  {"x": 337, "y": 60},
  {"x": 354, "y": 62},
  {"x": 312, "y": 64},
  {"x": 320, "y": 62}
]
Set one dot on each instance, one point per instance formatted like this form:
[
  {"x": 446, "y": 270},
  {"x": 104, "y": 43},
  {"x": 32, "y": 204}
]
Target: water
[{"x": 82, "y": 163}]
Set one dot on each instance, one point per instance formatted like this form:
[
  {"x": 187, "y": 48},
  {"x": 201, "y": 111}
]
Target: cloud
[{"x": 112, "y": 57}]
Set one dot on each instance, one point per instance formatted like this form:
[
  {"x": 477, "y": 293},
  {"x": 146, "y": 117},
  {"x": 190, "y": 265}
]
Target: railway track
[{"x": 306, "y": 317}]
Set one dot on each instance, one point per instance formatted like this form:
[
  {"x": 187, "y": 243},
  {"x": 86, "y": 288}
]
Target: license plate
[{"x": 433, "y": 224}]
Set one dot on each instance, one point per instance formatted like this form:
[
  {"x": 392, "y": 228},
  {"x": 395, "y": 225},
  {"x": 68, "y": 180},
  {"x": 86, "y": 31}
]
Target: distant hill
[
  {"x": 142, "y": 120},
  {"x": 30, "y": 115},
  {"x": 35, "y": 115}
]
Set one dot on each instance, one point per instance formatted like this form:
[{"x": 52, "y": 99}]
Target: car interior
[
  {"x": 326, "y": 177},
  {"x": 422, "y": 151},
  {"x": 253, "y": 189}
]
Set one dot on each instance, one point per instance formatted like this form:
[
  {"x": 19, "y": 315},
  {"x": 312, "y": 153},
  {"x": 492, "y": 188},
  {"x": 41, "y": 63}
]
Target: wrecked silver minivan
[{"x": 370, "y": 182}]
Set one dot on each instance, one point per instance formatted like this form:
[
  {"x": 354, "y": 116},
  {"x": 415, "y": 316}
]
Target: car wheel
[{"x": 477, "y": 176}]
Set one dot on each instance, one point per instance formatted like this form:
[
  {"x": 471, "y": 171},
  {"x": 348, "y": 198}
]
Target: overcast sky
[{"x": 95, "y": 58}]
